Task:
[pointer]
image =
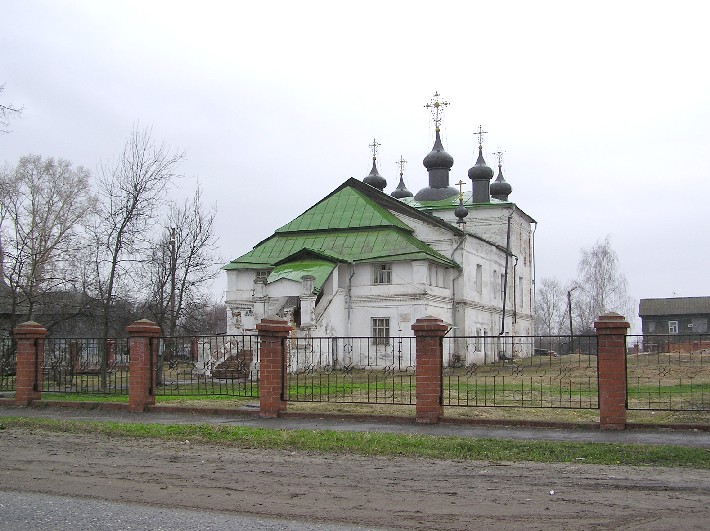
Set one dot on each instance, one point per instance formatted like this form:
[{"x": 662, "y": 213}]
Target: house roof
[
  {"x": 674, "y": 306},
  {"x": 347, "y": 208},
  {"x": 320, "y": 269},
  {"x": 352, "y": 224},
  {"x": 450, "y": 203}
]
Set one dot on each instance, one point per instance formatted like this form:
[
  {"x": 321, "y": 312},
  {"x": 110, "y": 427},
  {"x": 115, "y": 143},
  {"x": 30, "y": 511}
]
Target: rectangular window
[
  {"x": 262, "y": 274},
  {"x": 651, "y": 326},
  {"x": 672, "y": 327},
  {"x": 477, "y": 340},
  {"x": 521, "y": 302},
  {"x": 381, "y": 330},
  {"x": 437, "y": 276},
  {"x": 383, "y": 274},
  {"x": 479, "y": 278}
]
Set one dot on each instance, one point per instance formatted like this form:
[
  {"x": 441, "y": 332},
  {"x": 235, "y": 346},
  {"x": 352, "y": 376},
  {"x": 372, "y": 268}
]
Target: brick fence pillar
[
  {"x": 29, "y": 356},
  {"x": 429, "y": 333},
  {"x": 143, "y": 358},
  {"x": 272, "y": 366},
  {"x": 611, "y": 362}
]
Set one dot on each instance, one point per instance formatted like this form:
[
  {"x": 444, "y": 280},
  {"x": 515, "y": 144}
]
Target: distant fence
[
  {"x": 208, "y": 365},
  {"x": 668, "y": 372},
  {"x": 371, "y": 370},
  {"x": 8, "y": 364}
]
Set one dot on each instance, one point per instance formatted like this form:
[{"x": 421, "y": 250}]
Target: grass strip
[{"x": 387, "y": 444}]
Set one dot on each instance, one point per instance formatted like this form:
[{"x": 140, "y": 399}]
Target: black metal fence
[
  {"x": 371, "y": 370},
  {"x": 85, "y": 366},
  {"x": 8, "y": 364},
  {"x": 668, "y": 372},
  {"x": 521, "y": 371},
  {"x": 208, "y": 365}
]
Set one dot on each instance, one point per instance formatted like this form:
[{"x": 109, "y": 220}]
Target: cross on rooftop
[
  {"x": 460, "y": 185},
  {"x": 436, "y": 107},
  {"x": 499, "y": 156},
  {"x": 401, "y": 162},
  {"x": 374, "y": 147},
  {"x": 480, "y": 134}
]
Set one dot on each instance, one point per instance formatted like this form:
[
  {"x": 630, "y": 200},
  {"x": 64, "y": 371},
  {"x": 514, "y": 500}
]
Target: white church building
[{"x": 362, "y": 262}]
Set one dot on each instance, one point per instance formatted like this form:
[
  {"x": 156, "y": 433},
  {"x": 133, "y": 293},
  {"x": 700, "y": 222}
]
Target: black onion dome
[
  {"x": 461, "y": 211},
  {"x": 438, "y": 157},
  {"x": 374, "y": 179},
  {"x": 480, "y": 171},
  {"x": 401, "y": 190},
  {"x": 500, "y": 188}
]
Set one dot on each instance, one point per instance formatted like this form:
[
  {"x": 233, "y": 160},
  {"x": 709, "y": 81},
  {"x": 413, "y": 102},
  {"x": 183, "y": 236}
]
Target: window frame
[
  {"x": 382, "y": 273},
  {"x": 380, "y": 327},
  {"x": 672, "y": 327}
]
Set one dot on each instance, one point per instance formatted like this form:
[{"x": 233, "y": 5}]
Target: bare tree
[
  {"x": 44, "y": 205},
  {"x": 130, "y": 193},
  {"x": 550, "y": 307},
  {"x": 603, "y": 288},
  {"x": 8, "y": 112},
  {"x": 183, "y": 262}
]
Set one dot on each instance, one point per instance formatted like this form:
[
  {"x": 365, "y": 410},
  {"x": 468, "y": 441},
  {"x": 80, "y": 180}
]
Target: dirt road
[{"x": 397, "y": 493}]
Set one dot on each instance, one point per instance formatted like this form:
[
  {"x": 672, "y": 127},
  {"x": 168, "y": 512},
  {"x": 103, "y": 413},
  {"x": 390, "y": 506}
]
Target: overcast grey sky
[{"x": 602, "y": 109}]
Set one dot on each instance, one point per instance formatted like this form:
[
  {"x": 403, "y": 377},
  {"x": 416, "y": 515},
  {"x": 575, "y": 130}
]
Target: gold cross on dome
[
  {"x": 480, "y": 134},
  {"x": 437, "y": 107},
  {"x": 460, "y": 185},
  {"x": 401, "y": 162},
  {"x": 374, "y": 147}
]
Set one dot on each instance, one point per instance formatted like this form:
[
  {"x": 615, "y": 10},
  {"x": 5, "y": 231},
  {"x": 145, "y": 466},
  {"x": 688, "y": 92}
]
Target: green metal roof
[
  {"x": 450, "y": 203},
  {"x": 320, "y": 269},
  {"x": 346, "y": 208},
  {"x": 348, "y": 246},
  {"x": 346, "y": 226}
]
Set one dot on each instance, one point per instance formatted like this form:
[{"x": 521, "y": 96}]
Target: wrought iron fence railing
[
  {"x": 8, "y": 364},
  {"x": 85, "y": 366},
  {"x": 208, "y": 365},
  {"x": 521, "y": 371},
  {"x": 669, "y": 372},
  {"x": 371, "y": 370}
]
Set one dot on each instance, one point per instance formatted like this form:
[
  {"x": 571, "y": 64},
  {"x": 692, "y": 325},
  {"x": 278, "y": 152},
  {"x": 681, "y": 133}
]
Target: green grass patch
[
  {"x": 123, "y": 399},
  {"x": 678, "y": 389},
  {"x": 387, "y": 444},
  {"x": 85, "y": 397}
]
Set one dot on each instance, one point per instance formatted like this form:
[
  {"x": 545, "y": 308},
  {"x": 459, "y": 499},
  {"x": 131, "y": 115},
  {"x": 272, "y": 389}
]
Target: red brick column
[
  {"x": 428, "y": 332},
  {"x": 611, "y": 365},
  {"x": 30, "y": 355},
  {"x": 272, "y": 366},
  {"x": 142, "y": 362}
]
